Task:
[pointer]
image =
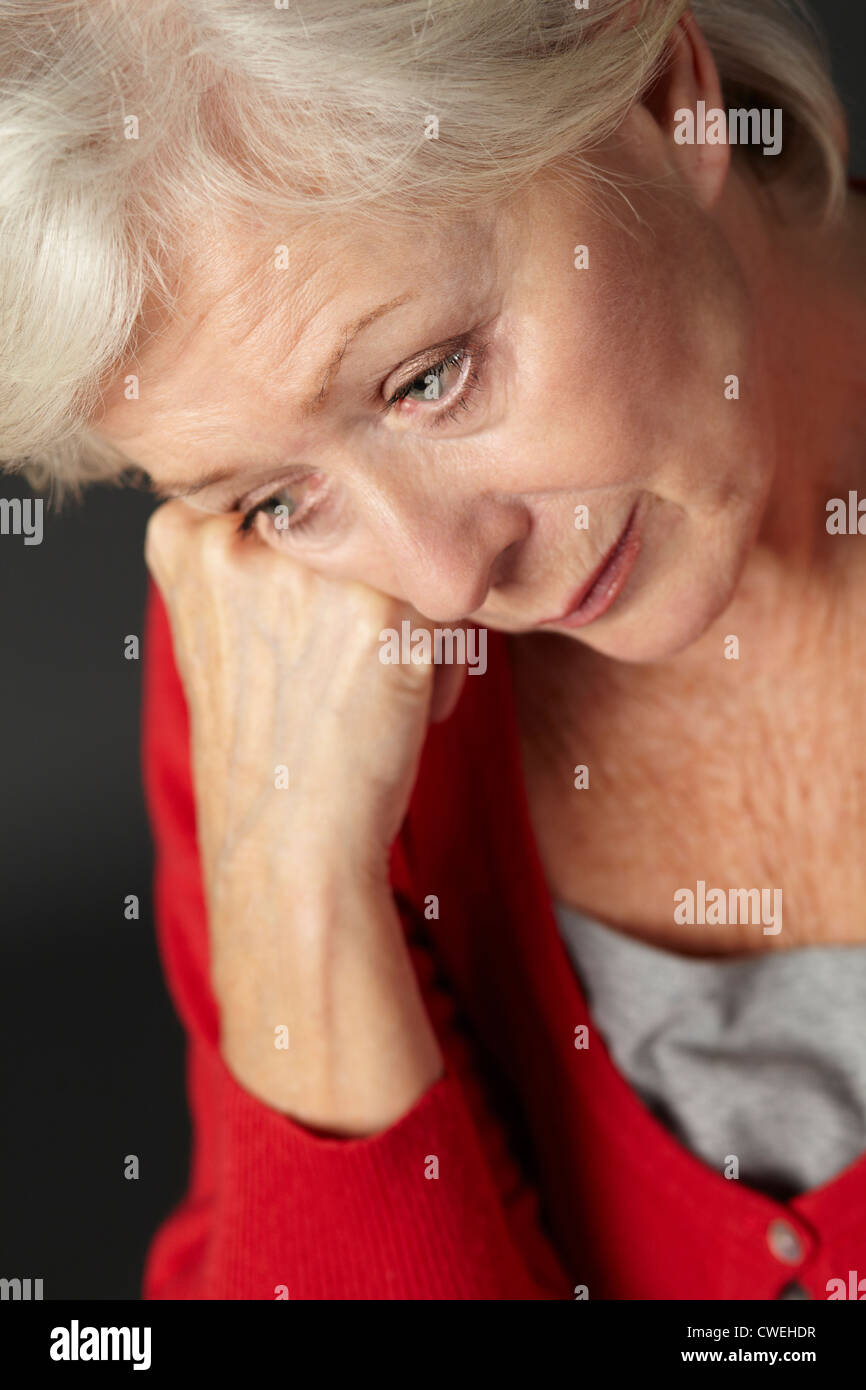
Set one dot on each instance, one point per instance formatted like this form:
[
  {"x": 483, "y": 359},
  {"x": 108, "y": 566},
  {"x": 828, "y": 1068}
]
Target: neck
[
  {"x": 809, "y": 289},
  {"x": 809, "y": 286}
]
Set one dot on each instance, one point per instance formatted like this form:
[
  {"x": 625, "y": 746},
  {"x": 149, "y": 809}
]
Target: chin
[{"x": 658, "y": 627}]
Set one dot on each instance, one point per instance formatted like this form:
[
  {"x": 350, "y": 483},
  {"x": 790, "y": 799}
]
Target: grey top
[{"x": 760, "y": 1057}]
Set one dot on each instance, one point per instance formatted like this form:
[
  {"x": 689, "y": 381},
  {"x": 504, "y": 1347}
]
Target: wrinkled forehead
[
  {"x": 245, "y": 298},
  {"x": 236, "y": 282}
]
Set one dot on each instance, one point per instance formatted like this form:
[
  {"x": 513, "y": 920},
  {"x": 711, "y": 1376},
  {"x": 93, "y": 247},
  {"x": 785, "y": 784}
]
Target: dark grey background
[{"x": 92, "y": 1053}]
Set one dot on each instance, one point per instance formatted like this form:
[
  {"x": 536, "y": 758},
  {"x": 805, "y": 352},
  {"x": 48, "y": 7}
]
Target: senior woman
[{"x": 538, "y": 974}]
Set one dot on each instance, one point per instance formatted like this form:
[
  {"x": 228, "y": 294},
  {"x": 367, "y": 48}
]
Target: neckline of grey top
[{"x": 761, "y": 1059}]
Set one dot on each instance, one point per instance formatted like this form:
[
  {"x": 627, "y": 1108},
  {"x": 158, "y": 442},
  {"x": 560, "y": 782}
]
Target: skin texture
[
  {"x": 602, "y": 387},
  {"x": 294, "y": 819}
]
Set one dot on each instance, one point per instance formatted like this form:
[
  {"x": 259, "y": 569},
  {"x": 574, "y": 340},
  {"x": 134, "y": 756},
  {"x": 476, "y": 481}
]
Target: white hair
[{"x": 124, "y": 125}]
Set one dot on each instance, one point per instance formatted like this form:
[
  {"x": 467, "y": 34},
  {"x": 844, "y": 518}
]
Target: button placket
[{"x": 785, "y": 1242}]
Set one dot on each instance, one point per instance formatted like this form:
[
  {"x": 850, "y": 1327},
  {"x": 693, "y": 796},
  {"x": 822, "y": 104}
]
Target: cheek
[
  {"x": 695, "y": 392},
  {"x": 641, "y": 373},
  {"x": 361, "y": 557}
]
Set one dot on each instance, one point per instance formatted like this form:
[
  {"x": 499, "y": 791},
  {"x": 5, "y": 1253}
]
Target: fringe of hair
[{"x": 123, "y": 126}]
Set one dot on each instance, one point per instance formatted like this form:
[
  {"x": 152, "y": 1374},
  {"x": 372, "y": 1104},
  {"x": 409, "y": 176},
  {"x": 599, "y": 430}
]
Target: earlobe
[{"x": 679, "y": 100}]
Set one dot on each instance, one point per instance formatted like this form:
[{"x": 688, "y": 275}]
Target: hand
[{"x": 304, "y": 750}]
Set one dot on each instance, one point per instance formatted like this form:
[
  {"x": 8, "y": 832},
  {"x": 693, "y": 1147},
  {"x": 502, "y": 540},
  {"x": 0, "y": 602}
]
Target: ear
[{"x": 689, "y": 75}]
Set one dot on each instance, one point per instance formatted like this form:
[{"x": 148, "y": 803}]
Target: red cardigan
[{"x": 552, "y": 1174}]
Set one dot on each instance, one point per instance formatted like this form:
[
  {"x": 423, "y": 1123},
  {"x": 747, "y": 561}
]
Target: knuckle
[
  {"x": 412, "y": 677},
  {"x": 175, "y": 529},
  {"x": 212, "y": 547},
  {"x": 161, "y": 534},
  {"x": 153, "y": 549}
]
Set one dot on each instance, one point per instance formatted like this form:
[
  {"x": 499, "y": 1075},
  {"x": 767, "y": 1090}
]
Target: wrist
[{"x": 301, "y": 866}]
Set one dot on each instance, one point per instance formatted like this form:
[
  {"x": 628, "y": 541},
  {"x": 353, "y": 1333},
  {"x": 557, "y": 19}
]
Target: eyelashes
[
  {"x": 466, "y": 361},
  {"x": 433, "y": 411},
  {"x": 299, "y": 514}
]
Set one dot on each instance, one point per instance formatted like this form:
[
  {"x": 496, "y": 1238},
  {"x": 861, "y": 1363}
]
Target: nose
[{"x": 446, "y": 562}]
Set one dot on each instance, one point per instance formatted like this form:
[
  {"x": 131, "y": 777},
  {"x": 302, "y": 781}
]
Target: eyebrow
[{"x": 350, "y": 331}]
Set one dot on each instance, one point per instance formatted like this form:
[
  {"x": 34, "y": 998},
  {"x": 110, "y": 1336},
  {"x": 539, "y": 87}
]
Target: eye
[
  {"x": 436, "y": 391},
  {"x": 288, "y": 508},
  {"x": 434, "y": 382}
]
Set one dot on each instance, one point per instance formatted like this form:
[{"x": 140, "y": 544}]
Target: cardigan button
[
  {"x": 794, "y": 1290},
  {"x": 784, "y": 1242}
]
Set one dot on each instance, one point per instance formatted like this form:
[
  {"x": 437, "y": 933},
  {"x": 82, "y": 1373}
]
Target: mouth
[{"x": 603, "y": 587}]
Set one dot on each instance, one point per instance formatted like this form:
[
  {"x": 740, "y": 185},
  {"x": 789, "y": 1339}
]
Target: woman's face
[{"x": 310, "y": 378}]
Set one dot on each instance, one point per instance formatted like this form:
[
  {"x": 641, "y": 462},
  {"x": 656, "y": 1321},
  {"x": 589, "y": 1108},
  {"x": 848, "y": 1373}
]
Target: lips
[{"x": 605, "y": 584}]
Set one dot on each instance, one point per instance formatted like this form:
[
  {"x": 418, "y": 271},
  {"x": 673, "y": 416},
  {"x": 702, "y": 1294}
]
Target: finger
[
  {"x": 448, "y": 684},
  {"x": 170, "y": 530}
]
